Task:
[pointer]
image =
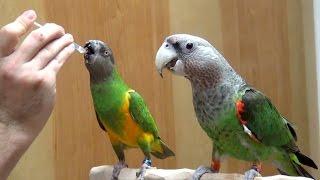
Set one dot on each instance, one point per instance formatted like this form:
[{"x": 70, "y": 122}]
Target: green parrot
[
  {"x": 241, "y": 121},
  {"x": 121, "y": 112}
]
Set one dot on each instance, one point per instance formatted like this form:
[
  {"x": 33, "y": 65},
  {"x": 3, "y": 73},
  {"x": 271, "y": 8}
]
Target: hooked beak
[
  {"x": 166, "y": 57},
  {"x": 90, "y": 51}
]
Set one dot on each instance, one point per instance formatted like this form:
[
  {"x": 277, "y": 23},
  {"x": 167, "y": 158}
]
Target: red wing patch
[{"x": 240, "y": 109}]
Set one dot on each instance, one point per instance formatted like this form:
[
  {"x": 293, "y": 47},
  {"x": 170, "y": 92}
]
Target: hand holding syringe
[{"x": 77, "y": 47}]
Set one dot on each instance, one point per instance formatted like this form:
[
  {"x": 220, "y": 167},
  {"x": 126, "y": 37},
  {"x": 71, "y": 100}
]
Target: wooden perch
[{"x": 105, "y": 172}]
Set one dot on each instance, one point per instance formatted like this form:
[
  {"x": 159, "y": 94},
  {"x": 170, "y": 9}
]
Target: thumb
[{"x": 10, "y": 33}]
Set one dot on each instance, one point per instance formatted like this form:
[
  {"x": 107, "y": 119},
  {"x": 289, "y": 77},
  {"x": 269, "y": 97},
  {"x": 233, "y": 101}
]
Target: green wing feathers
[
  {"x": 141, "y": 114},
  {"x": 270, "y": 128},
  {"x": 264, "y": 120},
  {"x": 160, "y": 150}
]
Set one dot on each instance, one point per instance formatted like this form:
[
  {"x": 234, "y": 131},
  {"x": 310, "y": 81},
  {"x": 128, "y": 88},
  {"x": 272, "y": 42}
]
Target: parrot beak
[
  {"x": 166, "y": 56},
  {"x": 89, "y": 51}
]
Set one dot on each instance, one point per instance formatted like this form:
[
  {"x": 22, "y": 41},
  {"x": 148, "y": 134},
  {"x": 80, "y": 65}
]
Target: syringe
[{"x": 77, "y": 47}]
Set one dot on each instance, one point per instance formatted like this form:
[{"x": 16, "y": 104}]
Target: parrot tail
[
  {"x": 292, "y": 165},
  {"x": 160, "y": 150},
  {"x": 305, "y": 160},
  {"x": 301, "y": 171}
]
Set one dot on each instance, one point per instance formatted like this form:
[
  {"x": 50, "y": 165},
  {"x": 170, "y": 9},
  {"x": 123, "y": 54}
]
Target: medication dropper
[{"x": 77, "y": 47}]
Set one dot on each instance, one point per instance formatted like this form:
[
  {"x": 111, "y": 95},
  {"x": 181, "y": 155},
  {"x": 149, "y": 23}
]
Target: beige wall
[
  {"x": 311, "y": 81},
  {"x": 202, "y": 19}
]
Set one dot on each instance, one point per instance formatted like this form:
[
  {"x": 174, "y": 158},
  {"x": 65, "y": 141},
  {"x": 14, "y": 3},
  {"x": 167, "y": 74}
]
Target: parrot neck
[
  {"x": 112, "y": 76},
  {"x": 99, "y": 74},
  {"x": 213, "y": 91},
  {"x": 209, "y": 74}
]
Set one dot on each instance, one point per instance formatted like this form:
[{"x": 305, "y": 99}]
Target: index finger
[{"x": 10, "y": 33}]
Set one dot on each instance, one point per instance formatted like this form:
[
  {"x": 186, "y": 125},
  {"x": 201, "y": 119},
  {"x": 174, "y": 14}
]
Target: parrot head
[
  {"x": 187, "y": 55},
  {"x": 98, "y": 59}
]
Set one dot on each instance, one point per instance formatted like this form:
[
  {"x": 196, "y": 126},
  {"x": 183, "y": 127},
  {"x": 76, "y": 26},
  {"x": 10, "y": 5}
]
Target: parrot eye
[
  {"x": 189, "y": 46},
  {"x": 106, "y": 53}
]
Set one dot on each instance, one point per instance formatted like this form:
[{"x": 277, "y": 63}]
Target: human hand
[{"x": 28, "y": 78}]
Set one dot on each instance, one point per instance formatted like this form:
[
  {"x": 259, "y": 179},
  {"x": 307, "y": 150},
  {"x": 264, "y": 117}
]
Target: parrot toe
[
  {"x": 201, "y": 171},
  {"x": 142, "y": 172},
  {"x": 117, "y": 168},
  {"x": 251, "y": 174}
]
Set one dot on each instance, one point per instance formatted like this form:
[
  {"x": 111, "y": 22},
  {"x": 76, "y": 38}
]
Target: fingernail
[
  {"x": 70, "y": 37},
  {"x": 30, "y": 14}
]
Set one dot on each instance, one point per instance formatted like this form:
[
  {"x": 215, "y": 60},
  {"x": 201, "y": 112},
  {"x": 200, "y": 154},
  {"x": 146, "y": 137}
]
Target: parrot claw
[
  {"x": 142, "y": 172},
  {"x": 201, "y": 171},
  {"x": 251, "y": 174},
  {"x": 117, "y": 169}
]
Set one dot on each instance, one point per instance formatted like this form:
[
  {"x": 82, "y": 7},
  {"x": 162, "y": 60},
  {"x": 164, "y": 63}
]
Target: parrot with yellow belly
[{"x": 121, "y": 112}]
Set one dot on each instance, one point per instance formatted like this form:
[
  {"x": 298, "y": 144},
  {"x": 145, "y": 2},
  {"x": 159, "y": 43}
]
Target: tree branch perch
[{"x": 105, "y": 172}]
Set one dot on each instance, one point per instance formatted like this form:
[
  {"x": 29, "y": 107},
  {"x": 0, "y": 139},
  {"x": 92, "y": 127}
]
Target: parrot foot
[
  {"x": 201, "y": 171},
  {"x": 117, "y": 168},
  {"x": 251, "y": 174},
  {"x": 142, "y": 172}
]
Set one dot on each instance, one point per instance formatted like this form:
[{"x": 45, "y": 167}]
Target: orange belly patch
[{"x": 131, "y": 130}]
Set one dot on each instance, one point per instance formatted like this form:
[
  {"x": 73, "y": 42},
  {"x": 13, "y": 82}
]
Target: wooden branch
[{"x": 105, "y": 172}]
